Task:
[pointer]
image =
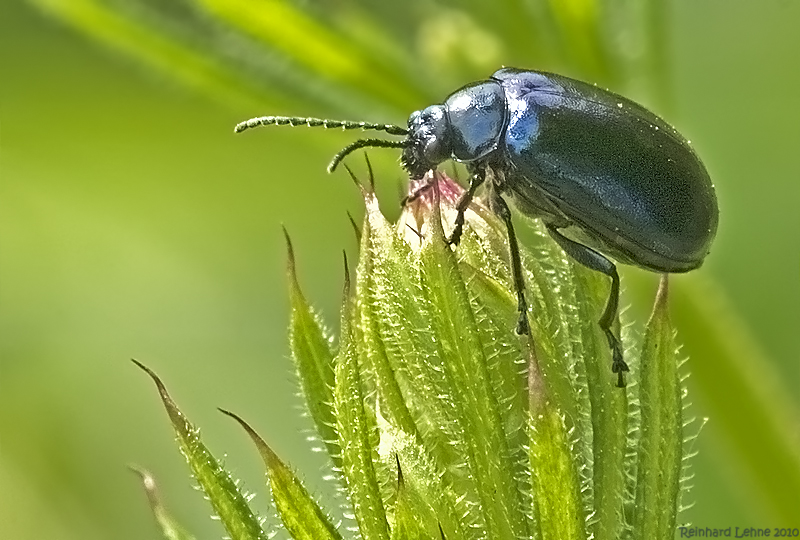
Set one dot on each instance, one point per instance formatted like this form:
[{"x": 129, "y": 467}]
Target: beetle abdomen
[{"x": 612, "y": 167}]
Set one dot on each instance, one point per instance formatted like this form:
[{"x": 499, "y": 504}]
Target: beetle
[{"x": 608, "y": 178}]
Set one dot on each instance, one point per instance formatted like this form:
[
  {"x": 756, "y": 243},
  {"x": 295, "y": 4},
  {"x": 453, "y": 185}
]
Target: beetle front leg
[
  {"x": 501, "y": 209},
  {"x": 594, "y": 261},
  {"x": 416, "y": 194},
  {"x": 463, "y": 203}
]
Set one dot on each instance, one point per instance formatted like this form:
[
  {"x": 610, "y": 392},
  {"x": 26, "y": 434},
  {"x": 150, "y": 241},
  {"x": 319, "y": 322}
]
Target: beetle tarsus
[
  {"x": 523, "y": 326},
  {"x": 618, "y": 365},
  {"x": 455, "y": 236}
]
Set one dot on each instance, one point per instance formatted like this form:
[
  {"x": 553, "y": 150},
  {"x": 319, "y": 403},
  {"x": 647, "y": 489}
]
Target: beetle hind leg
[
  {"x": 501, "y": 209},
  {"x": 595, "y": 261}
]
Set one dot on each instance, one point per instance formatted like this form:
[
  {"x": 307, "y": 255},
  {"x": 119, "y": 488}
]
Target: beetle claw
[
  {"x": 523, "y": 327},
  {"x": 454, "y": 238},
  {"x": 618, "y": 365}
]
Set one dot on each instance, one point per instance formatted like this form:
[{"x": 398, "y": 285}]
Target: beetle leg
[
  {"x": 463, "y": 203},
  {"x": 594, "y": 261},
  {"x": 501, "y": 209}
]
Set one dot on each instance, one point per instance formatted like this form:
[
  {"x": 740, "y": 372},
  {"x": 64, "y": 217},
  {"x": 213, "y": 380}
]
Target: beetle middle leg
[
  {"x": 594, "y": 261},
  {"x": 500, "y": 207}
]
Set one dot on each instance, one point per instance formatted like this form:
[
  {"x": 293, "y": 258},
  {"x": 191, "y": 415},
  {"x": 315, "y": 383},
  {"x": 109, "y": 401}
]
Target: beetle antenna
[
  {"x": 363, "y": 143},
  {"x": 317, "y": 122}
]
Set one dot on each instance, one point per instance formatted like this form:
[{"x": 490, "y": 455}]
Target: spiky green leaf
[
  {"x": 301, "y": 515},
  {"x": 229, "y": 504},
  {"x": 313, "y": 358},
  {"x": 469, "y": 384},
  {"x": 412, "y": 515},
  {"x": 354, "y": 436},
  {"x": 555, "y": 485},
  {"x": 659, "y": 454},
  {"x": 378, "y": 353}
]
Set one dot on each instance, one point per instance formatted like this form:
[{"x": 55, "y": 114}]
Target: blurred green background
[{"x": 133, "y": 223}]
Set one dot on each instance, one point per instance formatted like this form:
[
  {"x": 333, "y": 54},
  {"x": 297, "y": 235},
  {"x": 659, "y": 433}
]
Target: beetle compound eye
[{"x": 413, "y": 120}]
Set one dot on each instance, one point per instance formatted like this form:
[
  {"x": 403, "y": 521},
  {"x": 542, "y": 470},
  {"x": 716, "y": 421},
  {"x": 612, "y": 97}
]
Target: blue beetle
[{"x": 607, "y": 177}]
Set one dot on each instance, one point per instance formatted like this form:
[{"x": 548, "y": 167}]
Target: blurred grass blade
[
  {"x": 298, "y": 36},
  {"x": 478, "y": 413},
  {"x": 313, "y": 358},
  {"x": 301, "y": 515},
  {"x": 170, "y": 528},
  {"x": 657, "y": 43},
  {"x": 659, "y": 456},
  {"x": 578, "y": 24},
  {"x": 282, "y": 55},
  {"x": 354, "y": 436},
  {"x": 210, "y": 56},
  {"x": 143, "y": 40},
  {"x": 228, "y": 502}
]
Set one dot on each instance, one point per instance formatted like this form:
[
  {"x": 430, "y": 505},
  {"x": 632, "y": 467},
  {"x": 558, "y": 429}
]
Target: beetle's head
[{"x": 428, "y": 142}]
